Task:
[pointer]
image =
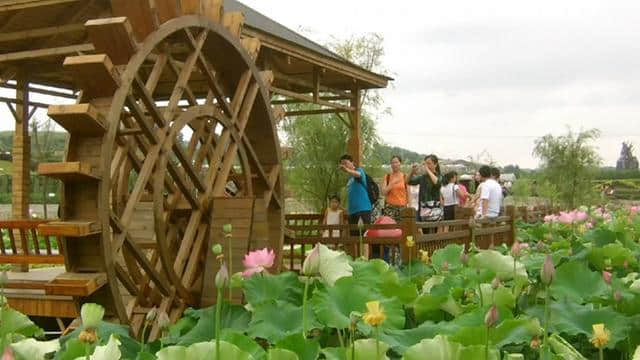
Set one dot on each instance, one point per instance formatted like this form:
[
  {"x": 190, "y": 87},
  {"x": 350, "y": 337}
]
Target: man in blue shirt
[{"x": 357, "y": 194}]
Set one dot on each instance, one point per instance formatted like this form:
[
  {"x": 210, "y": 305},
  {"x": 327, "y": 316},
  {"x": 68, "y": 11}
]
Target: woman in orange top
[{"x": 394, "y": 189}]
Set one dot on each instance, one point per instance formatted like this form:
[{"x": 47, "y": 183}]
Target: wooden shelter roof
[{"x": 36, "y": 36}]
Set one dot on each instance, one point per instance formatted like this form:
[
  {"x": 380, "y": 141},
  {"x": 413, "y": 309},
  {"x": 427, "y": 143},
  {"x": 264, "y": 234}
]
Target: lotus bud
[
  {"x": 152, "y": 314},
  {"x": 216, "y": 249},
  {"x": 606, "y": 276},
  {"x": 515, "y": 249},
  {"x": 91, "y": 315},
  {"x": 625, "y": 264},
  {"x": 548, "y": 272},
  {"x": 360, "y": 224},
  {"x": 236, "y": 280},
  {"x": 495, "y": 283},
  {"x": 163, "y": 321},
  {"x": 227, "y": 229},
  {"x": 8, "y": 353},
  {"x": 535, "y": 342},
  {"x": 617, "y": 296},
  {"x": 4, "y": 279},
  {"x": 464, "y": 258},
  {"x": 311, "y": 265},
  {"x": 222, "y": 276},
  {"x": 492, "y": 316}
]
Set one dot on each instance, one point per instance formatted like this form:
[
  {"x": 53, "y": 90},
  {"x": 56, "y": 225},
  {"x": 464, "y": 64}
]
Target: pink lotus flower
[
  {"x": 550, "y": 218},
  {"x": 635, "y": 210},
  {"x": 517, "y": 247},
  {"x": 606, "y": 276},
  {"x": 258, "y": 261},
  {"x": 566, "y": 218},
  {"x": 8, "y": 354},
  {"x": 580, "y": 216}
]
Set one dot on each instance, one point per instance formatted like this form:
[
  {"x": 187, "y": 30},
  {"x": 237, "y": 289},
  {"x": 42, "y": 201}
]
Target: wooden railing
[
  {"x": 303, "y": 231},
  {"x": 21, "y": 244}
]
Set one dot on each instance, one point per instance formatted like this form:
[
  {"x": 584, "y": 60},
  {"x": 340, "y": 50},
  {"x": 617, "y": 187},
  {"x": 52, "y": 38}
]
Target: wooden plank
[
  {"x": 44, "y": 53},
  {"x": 212, "y": 9},
  {"x": 95, "y": 74},
  {"x": 139, "y": 13},
  {"x": 252, "y": 45},
  {"x": 70, "y": 228},
  {"x": 67, "y": 171},
  {"x": 114, "y": 37},
  {"x": 309, "y": 99},
  {"x": 43, "y": 305},
  {"x": 41, "y": 32},
  {"x": 32, "y": 259},
  {"x": 190, "y": 7},
  {"x": 233, "y": 21},
  {"x": 75, "y": 284},
  {"x": 14, "y": 5},
  {"x": 166, "y": 10},
  {"x": 80, "y": 119}
]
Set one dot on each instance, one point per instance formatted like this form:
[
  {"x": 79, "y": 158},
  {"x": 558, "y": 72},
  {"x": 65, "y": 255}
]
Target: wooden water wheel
[{"x": 172, "y": 137}]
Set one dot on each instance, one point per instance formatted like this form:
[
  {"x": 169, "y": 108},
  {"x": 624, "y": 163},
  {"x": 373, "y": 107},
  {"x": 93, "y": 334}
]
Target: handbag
[{"x": 431, "y": 211}]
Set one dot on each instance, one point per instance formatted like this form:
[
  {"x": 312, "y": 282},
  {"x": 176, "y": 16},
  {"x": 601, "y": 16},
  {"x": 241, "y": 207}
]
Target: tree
[
  {"x": 318, "y": 141},
  {"x": 569, "y": 163},
  {"x": 42, "y": 133}
]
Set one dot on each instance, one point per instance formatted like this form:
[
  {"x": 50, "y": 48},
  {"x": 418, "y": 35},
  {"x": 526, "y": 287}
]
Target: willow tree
[
  {"x": 318, "y": 141},
  {"x": 568, "y": 166}
]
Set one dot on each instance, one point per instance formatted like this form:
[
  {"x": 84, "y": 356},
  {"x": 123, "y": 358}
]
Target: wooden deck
[{"x": 25, "y": 293}]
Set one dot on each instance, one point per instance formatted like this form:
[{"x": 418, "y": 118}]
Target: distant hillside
[{"x": 58, "y": 138}]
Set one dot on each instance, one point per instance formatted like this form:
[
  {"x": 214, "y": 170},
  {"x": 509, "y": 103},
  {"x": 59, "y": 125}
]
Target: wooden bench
[{"x": 30, "y": 291}]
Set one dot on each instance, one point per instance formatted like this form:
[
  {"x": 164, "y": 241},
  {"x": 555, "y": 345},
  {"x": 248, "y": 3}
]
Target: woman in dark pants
[{"x": 429, "y": 207}]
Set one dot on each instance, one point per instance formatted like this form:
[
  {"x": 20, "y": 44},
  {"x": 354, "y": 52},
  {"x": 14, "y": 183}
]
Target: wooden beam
[
  {"x": 8, "y": 74},
  {"x": 297, "y": 101},
  {"x": 316, "y": 84},
  {"x": 355, "y": 140},
  {"x": 43, "y": 53},
  {"x": 309, "y": 99},
  {"x": 279, "y": 76},
  {"x": 313, "y": 112},
  {"x": 25, "y": 4},
  {"x": 20, "y": 102},
  {"x": 43, "y": 91},
  {"x": 41, "y": 32}
]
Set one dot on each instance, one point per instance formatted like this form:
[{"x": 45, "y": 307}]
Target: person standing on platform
[{"x": 394, "y": 189}]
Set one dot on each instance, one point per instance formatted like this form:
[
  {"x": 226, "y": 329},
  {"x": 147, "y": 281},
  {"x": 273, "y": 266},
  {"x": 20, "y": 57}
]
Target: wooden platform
[{"x": 26, "y": 294}]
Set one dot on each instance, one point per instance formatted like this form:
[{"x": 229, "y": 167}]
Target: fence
[{"x": 303, "y": 231}]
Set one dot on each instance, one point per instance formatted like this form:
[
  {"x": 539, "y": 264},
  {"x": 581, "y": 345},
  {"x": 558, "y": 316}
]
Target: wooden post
[
  {"x": 511, "y": 212},
  {"x": 355, "y": 141},
  {"x": 409, "y": 228},
  {"x": 21, "y": 158}
]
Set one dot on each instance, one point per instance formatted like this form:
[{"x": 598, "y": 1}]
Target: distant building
[{"x": 627, "y": 161}]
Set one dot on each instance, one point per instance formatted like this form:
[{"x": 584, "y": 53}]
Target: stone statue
[{"x": 627, "y": 161}]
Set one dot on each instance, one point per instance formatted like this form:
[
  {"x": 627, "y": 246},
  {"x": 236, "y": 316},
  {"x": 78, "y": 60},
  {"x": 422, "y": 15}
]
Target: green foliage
[
  {"x": 318, "y": 141},
  {"x": 568, "y": 165}
]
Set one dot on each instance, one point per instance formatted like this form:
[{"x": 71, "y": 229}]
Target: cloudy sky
[
  {"x": 489, "y": 75},
  {"x": 495, "y": 75}
]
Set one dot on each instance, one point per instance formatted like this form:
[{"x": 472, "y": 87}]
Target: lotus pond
[{"x": 569, "y": 289}]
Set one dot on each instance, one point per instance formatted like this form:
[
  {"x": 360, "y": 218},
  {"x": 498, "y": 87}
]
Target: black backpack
[{"x": 372, "y": 189}]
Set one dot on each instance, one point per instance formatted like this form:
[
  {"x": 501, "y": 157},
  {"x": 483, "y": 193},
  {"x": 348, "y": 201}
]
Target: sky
[
  {"x": 493, "y": 75},
  {"x": 474, "y": 76}
]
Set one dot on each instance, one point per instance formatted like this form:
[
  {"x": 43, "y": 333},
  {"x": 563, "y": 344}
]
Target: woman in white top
[
  {"x": 450, "y": 194},
  {"x": 333, "y": 216}
]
